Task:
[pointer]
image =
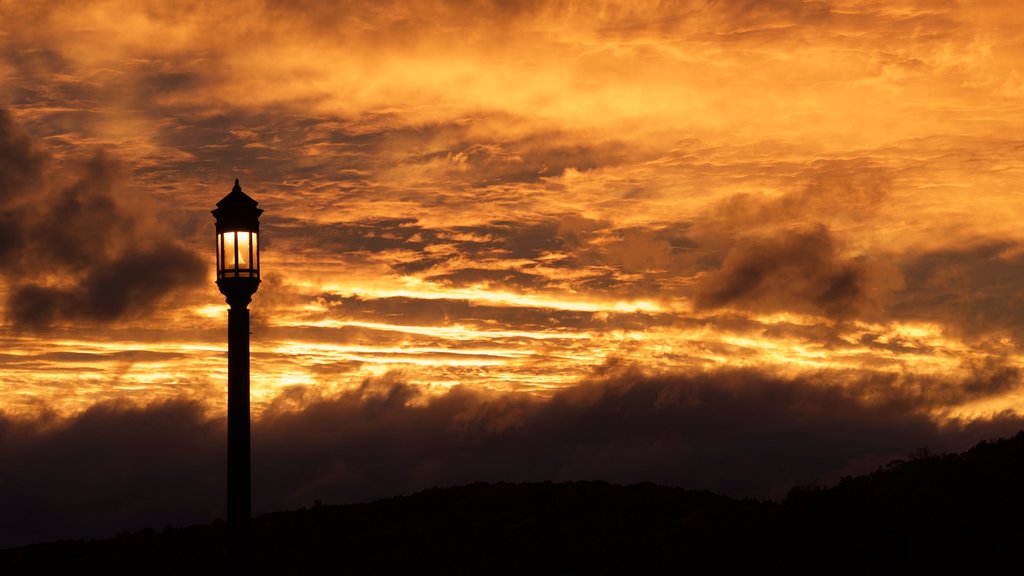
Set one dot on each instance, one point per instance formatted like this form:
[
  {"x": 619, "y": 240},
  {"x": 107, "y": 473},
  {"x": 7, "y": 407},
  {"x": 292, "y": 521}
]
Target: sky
[{"x": 729, "y": 245}]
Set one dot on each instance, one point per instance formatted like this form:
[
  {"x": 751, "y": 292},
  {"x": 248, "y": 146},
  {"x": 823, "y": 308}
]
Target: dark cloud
[
  {"x": 368, "y": 236},
  {"x": 111, "y": 468},
  {"x": 21, "y": 165},
  {"x": 20, "y": 162},
  {"x": 512, "y": 239},
  {"x": 976, "y": 291},
  {"x": 795, "y": 270},
  {"x": 117, "y": 467},
  {"x": 357, "y": 158},
  {"x": 432, "y": 247},
  {"x": 737, "y": 432},
  {"x": 520, "y": 255},
  {"x": 987, "y": 378},
  {"x": 266, "y": 146},
  {"x": 38, "y": 65},
  {"x": 826, "y": 191},
  {"x": 84, "y": 250},
  {"x": 133, "y": 281}
]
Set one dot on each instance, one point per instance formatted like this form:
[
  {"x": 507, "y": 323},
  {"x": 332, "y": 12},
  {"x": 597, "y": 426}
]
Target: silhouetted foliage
[
  {"x": 942, "y": 511},
  {"x": 930, "y": 511}
]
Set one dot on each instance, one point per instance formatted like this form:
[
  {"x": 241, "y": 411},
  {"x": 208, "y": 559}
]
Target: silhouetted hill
[
  {"x": 962, "y": 510},
  {"x": 928, "y": 512}
]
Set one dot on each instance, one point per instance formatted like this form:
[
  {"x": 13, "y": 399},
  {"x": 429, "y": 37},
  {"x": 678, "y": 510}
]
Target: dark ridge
[{"x": 944, "y": 512}]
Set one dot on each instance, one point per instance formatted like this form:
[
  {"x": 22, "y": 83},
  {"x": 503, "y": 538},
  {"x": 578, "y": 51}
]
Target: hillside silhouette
[{"x": 927, "y": 512}]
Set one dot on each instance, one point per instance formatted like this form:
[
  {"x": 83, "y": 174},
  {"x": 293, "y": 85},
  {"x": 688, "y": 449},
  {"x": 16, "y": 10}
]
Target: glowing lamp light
[{"x": 238, "y": 254}]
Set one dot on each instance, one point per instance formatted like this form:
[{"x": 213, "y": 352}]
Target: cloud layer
[
  {"x": 504, "y": 196},
  {"x": 118, "y": 466}
]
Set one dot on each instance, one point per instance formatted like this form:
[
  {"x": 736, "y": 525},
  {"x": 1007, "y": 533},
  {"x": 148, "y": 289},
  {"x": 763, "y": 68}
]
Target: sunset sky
[{"x": 735, "y": 245}]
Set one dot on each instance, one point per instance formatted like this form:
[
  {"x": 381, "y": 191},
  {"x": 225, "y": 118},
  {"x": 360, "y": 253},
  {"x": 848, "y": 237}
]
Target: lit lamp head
[{"x": 238, "y": 249}]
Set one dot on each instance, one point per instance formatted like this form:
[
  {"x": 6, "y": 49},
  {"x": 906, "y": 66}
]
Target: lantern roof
[
  {"x": 237, "y": 208},
  {"x": 236, "y": 199}
]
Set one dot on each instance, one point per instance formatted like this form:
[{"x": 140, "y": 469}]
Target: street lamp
[{"x": 238, "y": 277}]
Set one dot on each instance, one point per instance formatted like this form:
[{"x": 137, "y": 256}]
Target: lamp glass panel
[
  {"x": 229, "y": 250},
  {"x": 234, "y": 258},
  {"x": 243, "y": 249}
]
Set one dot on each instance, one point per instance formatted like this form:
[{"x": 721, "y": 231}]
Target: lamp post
[{"x": 238, "y": 277}]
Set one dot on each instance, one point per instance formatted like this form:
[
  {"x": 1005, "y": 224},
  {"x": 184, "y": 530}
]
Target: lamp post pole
[
  {"x": 239, "y": 446},
  {"x": 238, "y": 277}
]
